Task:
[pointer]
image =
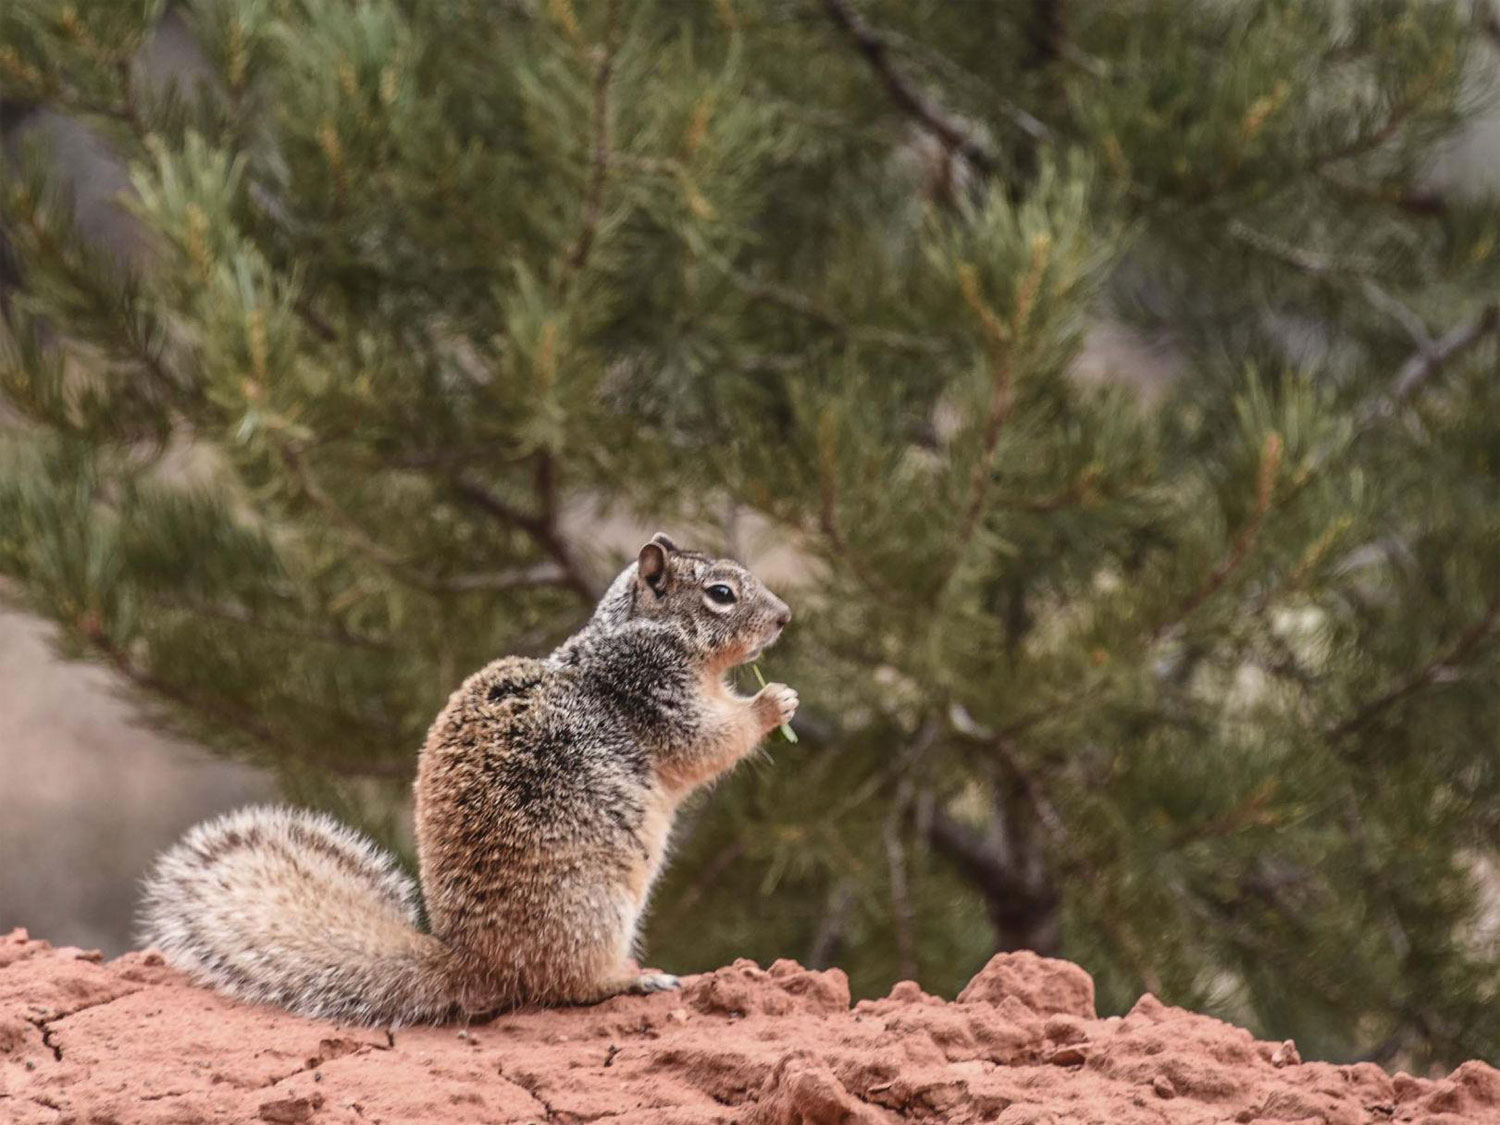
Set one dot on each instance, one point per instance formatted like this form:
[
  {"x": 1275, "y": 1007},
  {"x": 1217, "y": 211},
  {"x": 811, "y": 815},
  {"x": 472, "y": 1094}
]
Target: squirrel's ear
[
  {"x": 651, "y": 566},
  {"x": 660, "y": 538}
]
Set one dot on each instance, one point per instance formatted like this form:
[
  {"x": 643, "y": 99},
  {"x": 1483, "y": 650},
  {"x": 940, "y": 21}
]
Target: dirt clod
[{"x": 132, "y": 1041}]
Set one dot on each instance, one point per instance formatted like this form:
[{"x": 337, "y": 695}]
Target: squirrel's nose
[{"x": 783, "y": 619}]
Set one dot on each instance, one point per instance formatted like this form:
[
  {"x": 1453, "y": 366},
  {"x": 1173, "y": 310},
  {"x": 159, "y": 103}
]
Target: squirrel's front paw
[{"x": 775, "y": 704}]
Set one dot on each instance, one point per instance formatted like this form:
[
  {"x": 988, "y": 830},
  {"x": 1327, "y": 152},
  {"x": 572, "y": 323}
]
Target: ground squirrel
[{"x": 545, "y": 794}]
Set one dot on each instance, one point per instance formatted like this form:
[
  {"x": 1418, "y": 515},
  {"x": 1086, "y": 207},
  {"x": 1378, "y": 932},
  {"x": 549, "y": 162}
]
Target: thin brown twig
[
  {"x": 1050, "y": 818},
  {"x": 803, "y": 305},
  {"x": 908, "y": 96},
  {"x": 1001, "y": 401},
  {"x": 240, "y": 615},
  {"x": 1429, "y": 358},
  {"x": 247, "y": 724},
  {"x": 388, "y": 560},
  {"x": 314, "y": 320},
  {"x": 1081, "y": 489},
  {"x": 1465, "y": 643},
  {"x": 1370, "y": 142},
  {"x": 901, "y": 908},
  {"x": 593, "y": 205},
  {"x": 706, "y": 877},
  {"x": 541, "y": 527},
  {"x": 1001, "y": 339},
  {"x": 1265, "y": 489},
  {"x": 1422, "y": 366},
  {"x": 1427, "y": 202}
]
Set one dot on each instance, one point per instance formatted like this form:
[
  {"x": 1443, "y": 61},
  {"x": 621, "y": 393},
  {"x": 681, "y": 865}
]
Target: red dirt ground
[{"x": 130, "y": 1042}]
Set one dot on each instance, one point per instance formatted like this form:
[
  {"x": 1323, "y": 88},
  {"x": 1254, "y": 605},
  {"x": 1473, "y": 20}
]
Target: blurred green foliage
[{"x": 1191, "y": 678}]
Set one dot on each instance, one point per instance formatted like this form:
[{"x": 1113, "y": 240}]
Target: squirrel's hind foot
[
  {"x": 635, "y": 984},
  {"x": 647, "y": 983}
]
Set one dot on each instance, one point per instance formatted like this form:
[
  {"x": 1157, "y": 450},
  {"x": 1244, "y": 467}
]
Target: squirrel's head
[{"x": 721, "y": 606}]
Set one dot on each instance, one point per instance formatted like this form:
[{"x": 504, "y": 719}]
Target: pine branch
[
  {"x": 1359, "y": 146},
  {"x": 1001, "y": 341},
  {"x": 240, "y": 615},
  {"x": 314, "y": 320},
  {"x": 223, "y": 716},
  {"x": 1466, "y": 642},
  {"x": 1270, "y": 462},
  {"x": 541, "y": 527},
  {"x": 1424, "y": 364},
  {"x": 245, "y": 722},
  {"x": 790, "y": 299},
  {"x": 398, "y": 567},
  {"x": 1458, "y": 342},
  {"x": 1002, "y": 399},
  {"x": 1426, "y": 202},
  {"x": 1085, "y": 487},
  {"x": 1488, "y": 22},
  {"x": 1047, "y": 31},
  {"x": 908, "y": 96},
  {"x": 593, "y": 206},
  {"x": 85, "y": 278}
]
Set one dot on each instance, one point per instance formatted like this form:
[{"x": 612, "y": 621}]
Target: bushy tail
[{"x": 290, "y": 907}]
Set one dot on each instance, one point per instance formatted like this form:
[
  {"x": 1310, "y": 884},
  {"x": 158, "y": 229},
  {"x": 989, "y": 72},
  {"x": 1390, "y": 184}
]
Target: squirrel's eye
[{"x": 720, "y": 593}]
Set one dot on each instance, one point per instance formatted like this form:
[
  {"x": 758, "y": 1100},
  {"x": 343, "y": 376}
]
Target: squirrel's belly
[{"x": 660, "y": 810}]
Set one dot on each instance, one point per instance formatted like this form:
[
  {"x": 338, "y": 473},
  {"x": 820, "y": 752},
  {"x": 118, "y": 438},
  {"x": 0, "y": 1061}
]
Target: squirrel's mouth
[{"x": 753, "y": 653}]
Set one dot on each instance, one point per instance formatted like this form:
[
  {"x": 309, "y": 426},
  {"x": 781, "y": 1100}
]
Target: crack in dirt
[
  {"x": 44, "y": 1023},
  {"x": 278, "y": 1081},
  {"x": 315, "y": 1062},
  {"x": 310, "y": 1064},
  {"x": 531, "y": 1084},
  {"x": 166, "y": 1094}
]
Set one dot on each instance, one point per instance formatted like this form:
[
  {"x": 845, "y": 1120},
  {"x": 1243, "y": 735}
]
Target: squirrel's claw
[
  {"x": 776, "y": 703},
  {"x": 647, "y": 983}
]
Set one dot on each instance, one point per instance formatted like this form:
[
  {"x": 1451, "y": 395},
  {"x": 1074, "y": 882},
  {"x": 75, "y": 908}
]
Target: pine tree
[{"x": 1197, "y": 687}]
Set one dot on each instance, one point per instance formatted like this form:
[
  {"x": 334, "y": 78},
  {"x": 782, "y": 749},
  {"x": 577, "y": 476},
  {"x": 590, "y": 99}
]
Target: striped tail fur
[{"x": 289, "y": 907}]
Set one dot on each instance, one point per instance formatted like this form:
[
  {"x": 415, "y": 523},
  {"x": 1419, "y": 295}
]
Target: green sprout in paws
[{"x": 786, "y": 728}]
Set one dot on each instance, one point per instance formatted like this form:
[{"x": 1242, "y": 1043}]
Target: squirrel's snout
[{"x": 783, "y": 615}]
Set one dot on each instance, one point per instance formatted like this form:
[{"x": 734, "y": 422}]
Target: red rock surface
[{"x": 130, "y": 1042}]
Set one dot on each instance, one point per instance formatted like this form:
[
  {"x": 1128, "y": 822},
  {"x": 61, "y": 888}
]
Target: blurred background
[{"x": 1113, "y": 390}]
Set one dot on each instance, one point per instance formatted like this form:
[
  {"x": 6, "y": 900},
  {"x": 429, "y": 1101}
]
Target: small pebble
[{"x": 1286, "y": 1055}]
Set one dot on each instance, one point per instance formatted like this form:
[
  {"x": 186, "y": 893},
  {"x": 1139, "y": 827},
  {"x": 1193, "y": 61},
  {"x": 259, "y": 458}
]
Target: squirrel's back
[{"x": 289, "y": 907}]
